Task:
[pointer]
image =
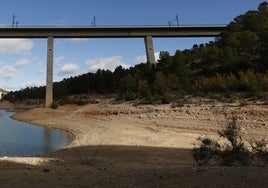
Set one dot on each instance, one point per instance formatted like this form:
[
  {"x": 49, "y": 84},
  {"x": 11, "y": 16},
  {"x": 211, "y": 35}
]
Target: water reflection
[
  {"x": 21, "y": 139},
  {"x": 47, "y": 140}
]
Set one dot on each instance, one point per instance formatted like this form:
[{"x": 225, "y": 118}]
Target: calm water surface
[{"x": 22, "y": 139}]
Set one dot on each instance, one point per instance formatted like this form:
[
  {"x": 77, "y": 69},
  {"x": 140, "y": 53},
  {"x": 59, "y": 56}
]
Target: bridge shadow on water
[{"x": 127, "y": 166}]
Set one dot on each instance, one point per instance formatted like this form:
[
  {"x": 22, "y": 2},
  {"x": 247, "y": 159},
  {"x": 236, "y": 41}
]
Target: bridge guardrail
[{"x": 115, "y": 26}]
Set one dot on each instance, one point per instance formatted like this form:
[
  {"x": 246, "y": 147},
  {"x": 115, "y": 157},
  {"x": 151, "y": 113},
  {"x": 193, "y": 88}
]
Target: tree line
[{"x": 237, "y": 61}]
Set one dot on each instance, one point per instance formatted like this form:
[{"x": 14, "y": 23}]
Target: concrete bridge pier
[
  {"x": 49, "y": 83},
  {"x": 149, "y": 49}
]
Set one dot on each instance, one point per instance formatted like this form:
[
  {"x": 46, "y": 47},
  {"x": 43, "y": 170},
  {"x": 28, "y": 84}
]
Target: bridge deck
[{"x": 111, "y": 32}]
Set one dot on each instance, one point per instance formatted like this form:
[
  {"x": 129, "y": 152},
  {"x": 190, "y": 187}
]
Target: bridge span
[
  {"x": 111, "y": 32},
  {"x": 146, "y": 32}
]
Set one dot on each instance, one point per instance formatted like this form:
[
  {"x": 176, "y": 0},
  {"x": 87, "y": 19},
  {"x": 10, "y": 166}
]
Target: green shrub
[
  {"x": 251, "y": 82},
  {"x": 80, "y": 102},
  {"x": 66, "y": 100},
  {"x": 54, "y": 105},
  {"x": 149, "y": 97},
  {"x": 130, "y": 95},
  {"x": 166, "y": 98},
  {"x": 243, "y": 102}
]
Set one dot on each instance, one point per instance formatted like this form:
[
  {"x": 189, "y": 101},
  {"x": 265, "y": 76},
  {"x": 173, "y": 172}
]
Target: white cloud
[
  {"x": 140, "y": 59},
  {"x": 22, "y": 63},
  {"x": 15, "y": 45},
  {"x": 41, "y": 71},
  {"x": 58, "y": 60},
  {"x": 68, "y": 69},
  {"x": 143, "y": 58},
  {"x": 7, "y": 87},
  {"x": 10, "y": 86},
  {"x": 35, "y": 83},
  {"x": 156, "y": 55},
  {"x": 105, "y": 63},
  {"x": 7, "y": 72},
  {"x": 77, "y": 39}
]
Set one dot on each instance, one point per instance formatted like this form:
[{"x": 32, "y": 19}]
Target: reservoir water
[{"x": 22, "y": 139}]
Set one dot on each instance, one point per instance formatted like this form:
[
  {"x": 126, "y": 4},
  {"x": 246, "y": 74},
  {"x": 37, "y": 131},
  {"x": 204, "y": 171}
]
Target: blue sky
[{"x": 23, "y": 61}]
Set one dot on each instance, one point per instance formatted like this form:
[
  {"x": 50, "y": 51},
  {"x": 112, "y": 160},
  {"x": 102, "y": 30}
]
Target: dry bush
[{"x": 232, "y": 153}]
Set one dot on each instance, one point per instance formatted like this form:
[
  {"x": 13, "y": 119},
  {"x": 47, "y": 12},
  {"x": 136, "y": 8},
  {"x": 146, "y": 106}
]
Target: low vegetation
[{"x": 234, "y": 152}]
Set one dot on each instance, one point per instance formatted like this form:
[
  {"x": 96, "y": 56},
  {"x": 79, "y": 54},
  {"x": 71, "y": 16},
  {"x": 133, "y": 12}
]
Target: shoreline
[
  {"x": 12, "y": 112},
  {"x": 142, "y": 114},
  {"x": 20, "y": 116},
  {"x": 109, "y": 110}
]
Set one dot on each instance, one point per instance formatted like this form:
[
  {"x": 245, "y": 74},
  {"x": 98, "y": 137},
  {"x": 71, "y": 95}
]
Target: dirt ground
[{"x": 133, "y": 145}]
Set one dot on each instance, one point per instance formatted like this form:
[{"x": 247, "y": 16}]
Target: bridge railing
[{"x": 114, "y": 26}]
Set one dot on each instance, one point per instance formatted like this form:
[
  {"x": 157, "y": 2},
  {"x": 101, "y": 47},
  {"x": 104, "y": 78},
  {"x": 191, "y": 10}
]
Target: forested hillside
[{"x": 236, "y": 62}]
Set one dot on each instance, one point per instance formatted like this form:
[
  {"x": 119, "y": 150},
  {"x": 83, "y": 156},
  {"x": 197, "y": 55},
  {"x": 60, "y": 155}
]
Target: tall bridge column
[
  {"x": 149, "y": 49},
  {"x": 49, "y": 84}
]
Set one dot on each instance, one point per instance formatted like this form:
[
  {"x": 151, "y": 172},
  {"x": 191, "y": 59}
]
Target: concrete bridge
[{"x": 146, "y": 32}]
